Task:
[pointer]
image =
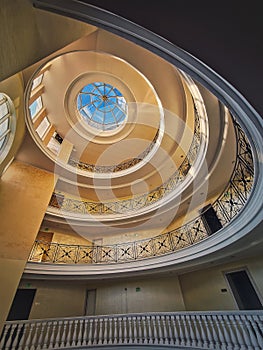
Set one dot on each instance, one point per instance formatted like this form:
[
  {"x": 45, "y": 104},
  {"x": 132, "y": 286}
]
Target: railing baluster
[
  {"x": 235, "y": 334},
  {"x": 4, "y": 335},
  {"x": 74, "y": 333},
  {"x": 240, "y": 339},
  {"x": 212, "y": 323},
  {"x": 100, "y": 325},
  {"x": 233, "y": 337},
  {"x": 95, "y": 334},
  {"x": 253, "y": 339},
  {"x": 120, "y": 328},
  {"x": 165, "y": 332},
  {"x": 53, "y": 333},
  {"x": 198, "y": 342},
  {"x": 148, "y": 322},
  {"x": 257, "y": 326},
  {"x": 79, "y": 338},
  {"x": 176, "y": 335},
  {"x": 155, "y": 334},
  {"x": 29, "y": 337},
  {"x": 203, "y": 334},
  {"x": 115, "y": 331},
  {"x": 181, "y": 334},
  {"x": 130, "y": 339},
  {"x": 35, "y": 337},
  {"x": 136, "y": 327},
  {"x": 90, "y": 324},
  {"x": 225, "y": 331},
  {"x": 125, "y": 341},
  {"x": 58, "y": 335},
  {"x": 16, "y": 339},
  {"x": 110, "y": 321},
  {"x": 23, "y": 338},
  {"x": 144, "y": 330},
  {"x": 170, "y": 332},
  {"x": 192, "y": 338},
  {"x": 222, "y": 341},
  {"x": 69, "y": 335},
  {"x": 186, "y": 331},
  {"x": 105, "y": 335},
  {"x": 64, "y": 333},
  {"x": 208, "y": 332},
  {"x": 244, "y": 333},
  {"x": 9, "y": 339}
]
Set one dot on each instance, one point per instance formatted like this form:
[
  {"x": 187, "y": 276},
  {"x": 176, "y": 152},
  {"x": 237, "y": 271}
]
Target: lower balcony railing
[{"x": 196, "y": 330}]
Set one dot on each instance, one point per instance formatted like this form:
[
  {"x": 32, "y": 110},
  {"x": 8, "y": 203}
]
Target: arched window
[{"x": 7, "y": 125}]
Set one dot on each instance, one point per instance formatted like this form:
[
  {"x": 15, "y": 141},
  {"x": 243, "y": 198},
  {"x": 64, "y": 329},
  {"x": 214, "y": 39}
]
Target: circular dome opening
[{"x": 102, "y": 106}]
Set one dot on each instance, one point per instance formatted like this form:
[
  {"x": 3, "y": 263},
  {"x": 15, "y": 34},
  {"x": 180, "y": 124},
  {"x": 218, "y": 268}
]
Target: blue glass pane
[
  {"x": 35, "y": 107},
  {"x": 102, "y": 106}
]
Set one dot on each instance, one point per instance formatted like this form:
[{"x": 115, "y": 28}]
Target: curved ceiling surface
[{"x": 174, "y": 125}]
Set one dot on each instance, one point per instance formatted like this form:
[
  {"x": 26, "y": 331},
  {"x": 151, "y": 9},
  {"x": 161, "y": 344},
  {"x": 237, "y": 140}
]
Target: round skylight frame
[{"x": 102, "y": 106}]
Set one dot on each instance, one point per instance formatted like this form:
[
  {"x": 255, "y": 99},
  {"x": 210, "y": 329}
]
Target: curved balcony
[{"x": 225, "y": 209}]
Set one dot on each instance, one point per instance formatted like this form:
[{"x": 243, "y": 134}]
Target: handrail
[
  {"x": 203, "y": 330},
  {"x": 226, "y": 207}
]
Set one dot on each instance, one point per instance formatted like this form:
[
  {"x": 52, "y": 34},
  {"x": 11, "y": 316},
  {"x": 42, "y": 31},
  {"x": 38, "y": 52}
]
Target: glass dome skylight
[{"x": 102, "y": 106}]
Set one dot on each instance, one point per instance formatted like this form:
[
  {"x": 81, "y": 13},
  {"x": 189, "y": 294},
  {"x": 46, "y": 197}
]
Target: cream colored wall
[
  {"x": 156, "y": 294},
  {"x": 56, "y": 298},
  {"x": 202, "y": 289},
  {"x": 67, "y": 298},
  {"x": 24, "y": 195},
  {"x": 69, "y": 238}
]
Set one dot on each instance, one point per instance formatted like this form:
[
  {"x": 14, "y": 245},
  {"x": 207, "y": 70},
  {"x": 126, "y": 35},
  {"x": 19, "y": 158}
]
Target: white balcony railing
[{"x": 201, "y": 330}]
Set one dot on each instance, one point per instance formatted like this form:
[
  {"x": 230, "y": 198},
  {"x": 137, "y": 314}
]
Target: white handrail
[{"x": 232, "y": 330}]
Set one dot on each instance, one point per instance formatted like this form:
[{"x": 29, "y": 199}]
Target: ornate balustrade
[
  {"x": 226, "y": 207},
  {"x": 202, "y": 330}
]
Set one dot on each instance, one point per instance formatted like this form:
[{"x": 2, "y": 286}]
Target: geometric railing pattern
[
  {"x": 113, "y": 168},
  {"x": 62, "y": 203},
  {"x": 220, "y": 330},
  {"x": 226, "y": 207}
]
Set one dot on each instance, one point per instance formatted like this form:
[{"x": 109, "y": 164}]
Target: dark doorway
[
  {"x": 21, "y": 305},
  {"x": 90, "y": 306},
  {"x": 243, "y": 290},
  {"x": 210, "y": 219}
]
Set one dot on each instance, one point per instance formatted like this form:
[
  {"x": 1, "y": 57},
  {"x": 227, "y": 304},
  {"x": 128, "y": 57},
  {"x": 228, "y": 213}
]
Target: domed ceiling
[{"x": 129, "y": 136}]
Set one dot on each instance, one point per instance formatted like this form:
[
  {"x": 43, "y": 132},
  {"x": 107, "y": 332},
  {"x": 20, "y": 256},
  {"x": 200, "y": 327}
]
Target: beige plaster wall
[
  {"x": 56, "y": 298},
  {"x": 202, "y": 290},
  {"x": 24, "y": 195},
  {"x": 67, "y": 298},
  {"x": 155, "y": 294}
]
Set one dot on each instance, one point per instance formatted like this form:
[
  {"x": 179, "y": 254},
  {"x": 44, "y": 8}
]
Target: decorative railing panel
[
  {"x": 114, "y": 168},
  {"x": 241, "y": 330}
]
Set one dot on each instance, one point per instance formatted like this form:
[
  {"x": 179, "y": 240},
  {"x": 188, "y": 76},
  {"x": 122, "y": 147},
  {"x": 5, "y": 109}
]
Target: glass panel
[
  {"x": 3, "y": 110},
  {"x": 4, "y": 127},
  {"x": 37, "y": 81},
  {"x": 2, "y": 142},
  {"x": 102, "y": 106},
  {"x": 43, "y": 126},
  {"x": 35, "y": 107}
]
